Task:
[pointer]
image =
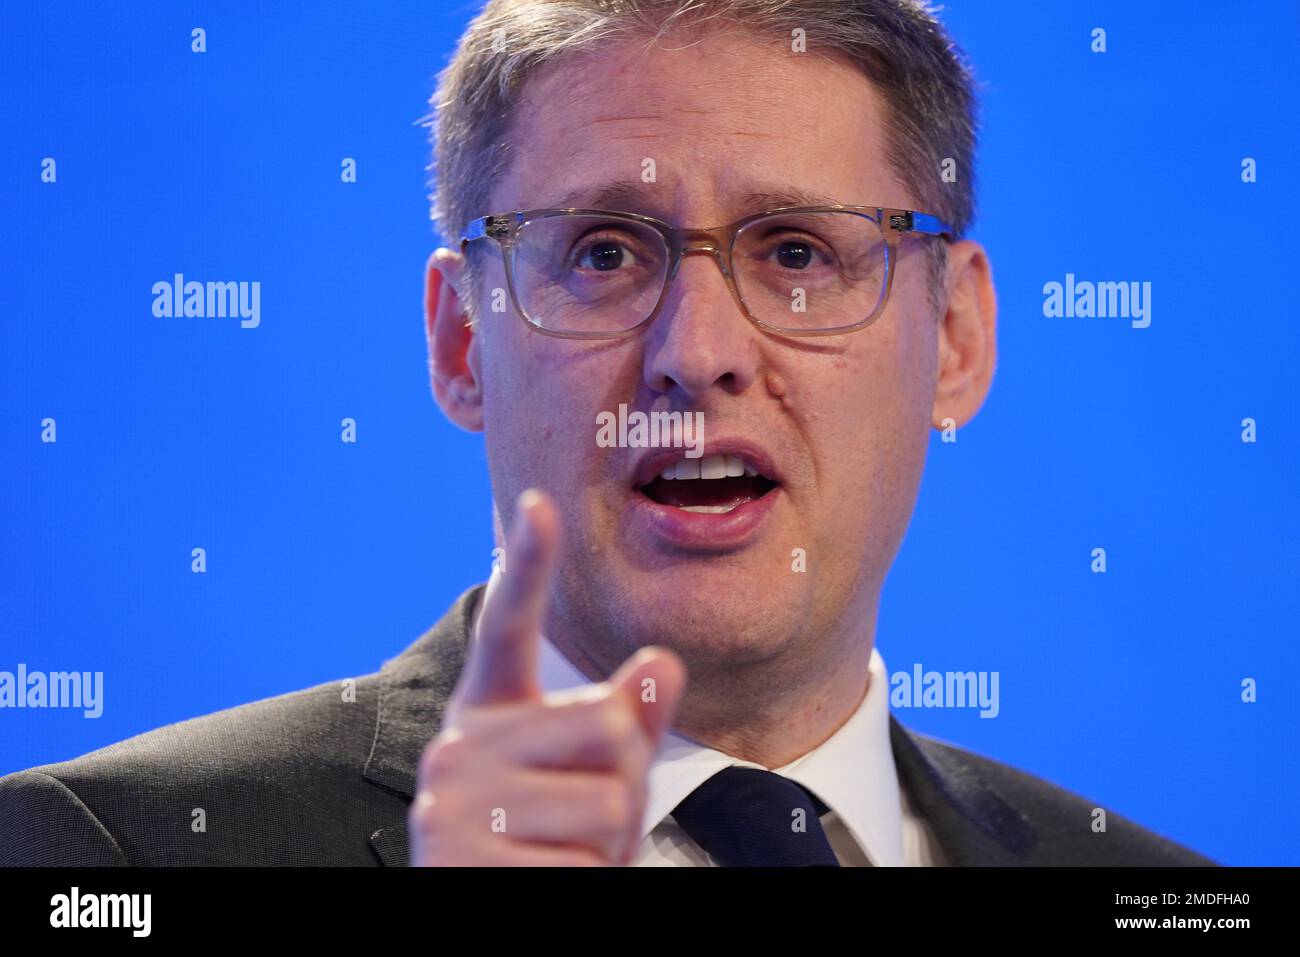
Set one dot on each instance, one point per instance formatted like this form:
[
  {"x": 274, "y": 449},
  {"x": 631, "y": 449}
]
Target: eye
[
  {"x": 794, "y": 254},
  {"x": 792, "y": 247},
  {"x": 604, "y": 254}
]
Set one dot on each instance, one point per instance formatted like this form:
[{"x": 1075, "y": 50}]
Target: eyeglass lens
[{"x": 800, "y": 271}]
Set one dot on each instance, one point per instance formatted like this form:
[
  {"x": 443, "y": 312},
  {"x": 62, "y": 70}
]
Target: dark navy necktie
[{"x": 746, "y": 817}]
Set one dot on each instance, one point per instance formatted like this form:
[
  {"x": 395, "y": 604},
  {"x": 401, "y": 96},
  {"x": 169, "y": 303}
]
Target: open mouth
[{"x": 713, "y": 484}]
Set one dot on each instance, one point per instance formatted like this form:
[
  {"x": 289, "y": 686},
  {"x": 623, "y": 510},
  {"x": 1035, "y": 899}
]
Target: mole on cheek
[{"x": 776, "y": 386}]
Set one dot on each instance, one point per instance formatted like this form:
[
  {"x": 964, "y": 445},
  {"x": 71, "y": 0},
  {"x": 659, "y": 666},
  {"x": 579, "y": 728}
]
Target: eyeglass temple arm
[
  {"x": 912, "y": 222},
  {"x": 485, "y": 226}
]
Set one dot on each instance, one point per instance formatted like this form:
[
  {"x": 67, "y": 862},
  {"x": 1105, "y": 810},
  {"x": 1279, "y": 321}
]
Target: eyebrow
[{"x": 635, "y": 196}]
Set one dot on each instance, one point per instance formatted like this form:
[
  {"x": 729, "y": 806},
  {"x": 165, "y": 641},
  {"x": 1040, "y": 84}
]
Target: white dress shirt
[{"x": 870, "y": 820}]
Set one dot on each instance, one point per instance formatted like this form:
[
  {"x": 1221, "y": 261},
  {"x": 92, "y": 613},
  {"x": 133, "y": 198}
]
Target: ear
[
  {"x": 454, "y": 369},
  {"x": 967, "y": 336}
]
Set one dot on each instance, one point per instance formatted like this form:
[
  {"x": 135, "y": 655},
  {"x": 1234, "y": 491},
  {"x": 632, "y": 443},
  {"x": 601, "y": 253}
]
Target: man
[{"x": 675, "y": 662}]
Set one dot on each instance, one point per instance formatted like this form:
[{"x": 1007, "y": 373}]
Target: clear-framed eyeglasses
[{"x": 794, "y": 270}]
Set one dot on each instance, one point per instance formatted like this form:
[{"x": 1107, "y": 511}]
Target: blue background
[{"x": 326, "y": 558}]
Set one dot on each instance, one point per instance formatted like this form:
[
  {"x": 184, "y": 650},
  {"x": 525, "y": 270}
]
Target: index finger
[{"x": 502, "y": 662}]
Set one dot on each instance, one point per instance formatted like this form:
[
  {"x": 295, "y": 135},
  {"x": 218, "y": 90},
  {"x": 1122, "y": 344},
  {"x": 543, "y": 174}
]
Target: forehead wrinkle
[{"x": 620, "y": 119}]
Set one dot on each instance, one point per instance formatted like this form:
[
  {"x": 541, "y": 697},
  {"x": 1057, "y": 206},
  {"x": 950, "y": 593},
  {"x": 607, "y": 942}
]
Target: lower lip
[{"x": 702, "y": 531}]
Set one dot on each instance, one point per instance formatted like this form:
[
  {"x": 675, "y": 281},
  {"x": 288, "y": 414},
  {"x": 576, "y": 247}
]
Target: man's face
[{"x": 842, "y": 421}]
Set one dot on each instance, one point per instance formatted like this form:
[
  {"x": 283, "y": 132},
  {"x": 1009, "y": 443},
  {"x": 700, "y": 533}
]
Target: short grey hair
[{"x": 922, "y": 76}]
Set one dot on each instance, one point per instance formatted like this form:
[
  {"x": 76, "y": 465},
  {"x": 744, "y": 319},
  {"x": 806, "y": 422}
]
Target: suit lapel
[
  {"x": 413, "y": 692},
  {"x": 972, "y": 822}
]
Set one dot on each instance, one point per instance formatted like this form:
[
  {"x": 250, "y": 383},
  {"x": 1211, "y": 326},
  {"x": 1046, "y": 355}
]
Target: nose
[{"x": 701, "y": 337}]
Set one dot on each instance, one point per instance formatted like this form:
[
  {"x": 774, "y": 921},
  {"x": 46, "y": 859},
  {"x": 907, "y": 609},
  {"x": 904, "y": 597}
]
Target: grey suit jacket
[{"x": 312, "y": 778}]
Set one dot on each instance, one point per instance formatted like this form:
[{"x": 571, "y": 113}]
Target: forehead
[{"x": 705, "y": 131}]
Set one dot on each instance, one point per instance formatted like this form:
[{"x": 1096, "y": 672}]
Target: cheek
[
  {"x": 540, "y": 406},
  {"x": 900, "y": 398},
  {"x": 516, "y": 443},
  {"x": 861, "y": 414}
]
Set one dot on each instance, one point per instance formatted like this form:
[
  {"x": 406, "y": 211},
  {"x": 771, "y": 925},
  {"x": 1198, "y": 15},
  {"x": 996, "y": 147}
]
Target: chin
[{"x": 707, "y": 611}]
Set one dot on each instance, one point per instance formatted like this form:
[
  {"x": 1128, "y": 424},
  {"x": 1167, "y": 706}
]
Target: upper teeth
[{"x": 709, "y": 467}]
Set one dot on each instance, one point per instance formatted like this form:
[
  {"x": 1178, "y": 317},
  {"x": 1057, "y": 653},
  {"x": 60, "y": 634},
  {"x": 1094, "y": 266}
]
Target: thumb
[{"x": 653, "y": 681}]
